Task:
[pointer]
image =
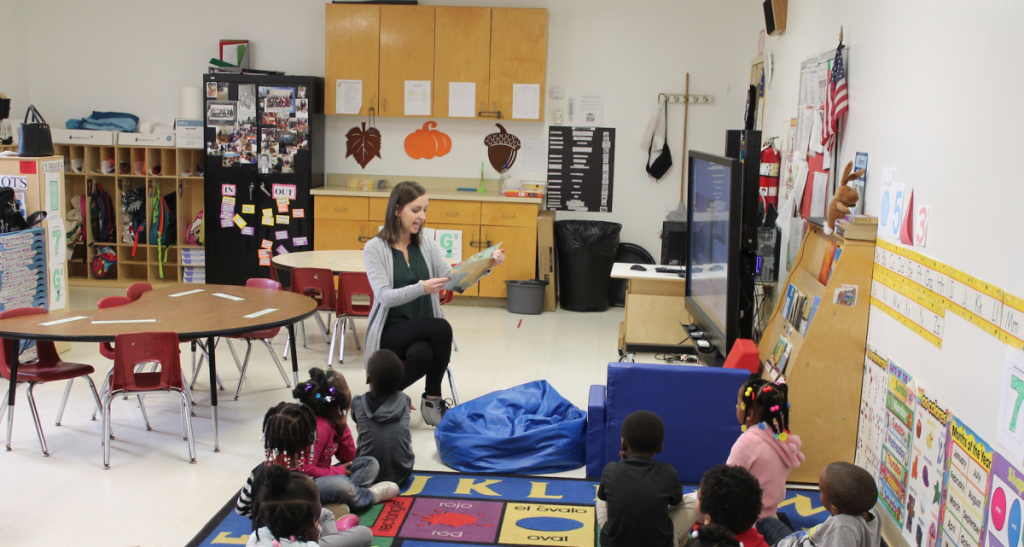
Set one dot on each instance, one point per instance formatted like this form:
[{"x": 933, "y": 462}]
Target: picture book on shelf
[
  {"x": 805, "y": 324},
  {"x": 779, "y": 358},
  {"x": 835, "y": 260},
  {"x": 826, "y": 263}
]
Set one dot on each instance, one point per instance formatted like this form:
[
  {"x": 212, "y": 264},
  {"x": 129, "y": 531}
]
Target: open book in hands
[{"x": 467, "y": 273}]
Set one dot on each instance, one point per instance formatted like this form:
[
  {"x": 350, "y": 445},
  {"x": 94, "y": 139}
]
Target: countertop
[{"x": 454, "y": 195}]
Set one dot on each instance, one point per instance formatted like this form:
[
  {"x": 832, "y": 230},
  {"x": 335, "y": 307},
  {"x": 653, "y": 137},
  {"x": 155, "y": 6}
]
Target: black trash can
[{"x": 586, "y": 252}]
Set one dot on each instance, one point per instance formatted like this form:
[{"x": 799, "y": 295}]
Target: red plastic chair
[
  {"x": 133, "y": 350},
  {"x": 349, "y": 284},
  {"x": 318, "y": 284},
  {"x": 46, "y": 368},
  {"x": 107, "y": 349},
  {"x": 264, "y": 336},
  {"x": 135, "y": 290}
]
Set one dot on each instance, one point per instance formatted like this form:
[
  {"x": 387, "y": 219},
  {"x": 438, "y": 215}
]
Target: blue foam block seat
[{"x": 697, "y": 405}]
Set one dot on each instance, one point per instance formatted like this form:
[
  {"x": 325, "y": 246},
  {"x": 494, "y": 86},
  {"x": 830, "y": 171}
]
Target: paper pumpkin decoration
[
  {"x": 362, "y": 143},
  {"x": 427, "y": 143},
  {"x": 502, "y": 149}
]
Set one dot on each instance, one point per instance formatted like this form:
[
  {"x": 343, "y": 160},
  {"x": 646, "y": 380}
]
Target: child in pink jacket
[{"x": 766, "y": 448}]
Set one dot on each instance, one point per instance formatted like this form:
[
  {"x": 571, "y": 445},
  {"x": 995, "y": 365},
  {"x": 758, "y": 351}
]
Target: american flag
[{"x": 836, "y": 103}]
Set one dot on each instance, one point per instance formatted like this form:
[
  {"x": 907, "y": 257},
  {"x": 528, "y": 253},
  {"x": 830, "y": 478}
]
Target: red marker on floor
[{"x": 520, "y": 323}]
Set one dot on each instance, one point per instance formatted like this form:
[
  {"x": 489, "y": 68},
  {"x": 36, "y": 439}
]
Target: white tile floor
[{"x": 152, "y": 495}]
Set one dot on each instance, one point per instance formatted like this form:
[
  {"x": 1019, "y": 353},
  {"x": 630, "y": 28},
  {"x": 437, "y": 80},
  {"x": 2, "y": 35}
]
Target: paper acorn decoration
[
  {"x": 427, "y": 143},
  {"x": 363, "y": 143},
  {"x": 502, "y": 149}
]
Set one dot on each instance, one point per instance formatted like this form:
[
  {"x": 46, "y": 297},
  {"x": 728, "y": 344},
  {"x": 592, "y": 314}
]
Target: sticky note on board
[
  {"x": 300, "y": 241},
  {"x": 266, "y": 244},
  {"x": 239, "y": 221},
  {"x": 248, "y": 231},
  {"x": 282, "y": 219},
  {"x": 282, "y": 205},
  {"x": 299, "y": 213},
  {"x": 228, "y": 200},
  {"x": 280, "y": 234},
  {"x": 264, "y": 262},
  {"x": 248, "y": 209},
  {"x": 263, "y": 253},
  {"x": 268, "y": 212},
  {"x": 281, "y": 250},
  {"x": 267, "y": 221},
  {"x": 225, "y": 222}
]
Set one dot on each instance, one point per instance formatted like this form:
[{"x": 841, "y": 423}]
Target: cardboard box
[
  {"x": 145, "y": 139},
  {"x": 189, "y": 133},
  {"x": 83, "y": 136},
  {"x": 546, "y": 256}
]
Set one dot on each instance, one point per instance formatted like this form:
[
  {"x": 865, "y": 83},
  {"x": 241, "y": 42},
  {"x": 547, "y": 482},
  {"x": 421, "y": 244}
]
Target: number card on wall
[
  {"x": 1004, "y": 504},
  {"x": 893, "y": 473},
  {"x": 871, "y": 427},
  {"x": 967, "y": 480},
  {"x": 1010, "y": 429},
  {"x": 924, "y": 487}
]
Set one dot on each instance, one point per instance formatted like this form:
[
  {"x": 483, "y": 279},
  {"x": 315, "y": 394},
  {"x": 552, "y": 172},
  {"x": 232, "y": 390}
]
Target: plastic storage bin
[{"x": 526, "y": 297}]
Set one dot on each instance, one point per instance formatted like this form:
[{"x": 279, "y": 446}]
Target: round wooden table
[
  {"x": 191, "y": 311},
  {"x": 336, "y": 261}
]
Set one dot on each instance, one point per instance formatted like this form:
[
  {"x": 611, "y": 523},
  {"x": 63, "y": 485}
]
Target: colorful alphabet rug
[{"x": 456, "y": 510}]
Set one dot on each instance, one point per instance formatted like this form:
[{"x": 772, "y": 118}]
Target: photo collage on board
[
  {"x": 284, "y": 127},
  {"x": 235, "y": 122}
]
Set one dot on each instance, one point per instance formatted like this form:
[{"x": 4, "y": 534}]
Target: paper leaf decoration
[
  {"x": 502, "y": 149},
  {"x": 427, "y": 143},
  {"x": 363, "y": 143}
]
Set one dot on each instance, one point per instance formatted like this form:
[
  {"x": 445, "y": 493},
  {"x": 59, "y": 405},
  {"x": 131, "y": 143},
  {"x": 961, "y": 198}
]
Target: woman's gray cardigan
[{"x": 380, "y": 269}]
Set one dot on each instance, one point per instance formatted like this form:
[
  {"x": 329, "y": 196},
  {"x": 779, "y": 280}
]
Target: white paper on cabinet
[
  {"x": 349, "y": 96},
  {"x": 461, "y": 99},
  {"x": 417, "y": 97},
  {"x": 526, "y": 101}
]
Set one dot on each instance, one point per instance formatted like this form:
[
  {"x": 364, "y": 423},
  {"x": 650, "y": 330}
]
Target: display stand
[
  {"x": 178, "y": 173},
  {"x": 825, "y": 365}
]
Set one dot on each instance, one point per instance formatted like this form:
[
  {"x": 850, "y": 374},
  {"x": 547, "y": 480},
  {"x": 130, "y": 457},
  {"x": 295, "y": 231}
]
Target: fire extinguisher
[{"x": 769, "y": 182}]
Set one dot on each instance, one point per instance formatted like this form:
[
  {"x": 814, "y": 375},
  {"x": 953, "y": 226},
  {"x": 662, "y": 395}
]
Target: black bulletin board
[{"x": 581, "y": 168}]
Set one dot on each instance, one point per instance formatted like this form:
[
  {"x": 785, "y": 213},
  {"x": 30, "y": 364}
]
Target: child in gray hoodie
[{"x": 382, "y": 418}]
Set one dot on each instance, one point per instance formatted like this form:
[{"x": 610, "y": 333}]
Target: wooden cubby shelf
[{"x": 172, "y": 170}]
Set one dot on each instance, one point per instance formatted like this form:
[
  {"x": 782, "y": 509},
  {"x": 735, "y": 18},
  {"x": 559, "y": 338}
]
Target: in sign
[
  {"x": 284, "y": 191},
  {"x": 227, "y": 190}
]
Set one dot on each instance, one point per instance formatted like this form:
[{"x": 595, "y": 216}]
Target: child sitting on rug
[
  {"x": 636, "y": 492},
  {"x": 382, "y": 418},
  {"x": 730, "y": 495},
  {"x": 289, "y": 431},
  {"x": 348, "y": 482},
  {"x": 766, "y": 448},
  {"x": 849, "y": 493}
]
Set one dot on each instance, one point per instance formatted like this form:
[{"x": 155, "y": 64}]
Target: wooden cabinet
[
  {"x": 406, "y": 53},
  {"x": 348, "y": 222},
  {"x": 352, "y": 40},
  {"x": 519, "y": 54},
  {"x": 462, "y": 44},
  {"x": 520, "y": 246},
  {"x": 386, "y": 45}
]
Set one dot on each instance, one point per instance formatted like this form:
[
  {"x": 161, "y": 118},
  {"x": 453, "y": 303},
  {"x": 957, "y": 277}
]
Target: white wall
[
  {"x": 931, "y": 93},
  {"x": 13, "y": 57},
  {"x": 627, "y": 50}
]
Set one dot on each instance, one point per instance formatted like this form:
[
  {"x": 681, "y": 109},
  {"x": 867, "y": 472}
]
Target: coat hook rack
[{"x": 685, "y": 98}]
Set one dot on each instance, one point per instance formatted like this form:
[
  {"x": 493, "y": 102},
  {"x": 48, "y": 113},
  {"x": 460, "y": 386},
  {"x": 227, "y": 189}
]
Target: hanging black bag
[
  {"x": 35, "y": 141},
  {"x": 660, "y": 166}
]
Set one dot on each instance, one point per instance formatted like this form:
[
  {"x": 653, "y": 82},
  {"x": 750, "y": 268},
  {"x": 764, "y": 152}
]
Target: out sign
[{"x": 284, "y": 191}]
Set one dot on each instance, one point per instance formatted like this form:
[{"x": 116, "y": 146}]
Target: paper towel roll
[{"x": 190, "y": 103}]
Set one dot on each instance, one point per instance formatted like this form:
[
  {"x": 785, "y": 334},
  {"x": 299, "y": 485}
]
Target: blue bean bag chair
[{"x": 525, "y": 429}]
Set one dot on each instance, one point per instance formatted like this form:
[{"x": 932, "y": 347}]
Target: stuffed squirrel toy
[{"x": 846, "y": 198}]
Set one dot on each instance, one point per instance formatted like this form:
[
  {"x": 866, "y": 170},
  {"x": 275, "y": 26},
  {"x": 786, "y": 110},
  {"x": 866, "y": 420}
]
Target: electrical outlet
[{"x": 558, "y": 117}]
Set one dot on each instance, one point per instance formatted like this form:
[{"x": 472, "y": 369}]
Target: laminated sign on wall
[{"x": 581, "y": 168}]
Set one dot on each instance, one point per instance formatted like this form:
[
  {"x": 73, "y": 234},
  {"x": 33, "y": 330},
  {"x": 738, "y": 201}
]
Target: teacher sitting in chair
[{"x": 407, "y": 272}]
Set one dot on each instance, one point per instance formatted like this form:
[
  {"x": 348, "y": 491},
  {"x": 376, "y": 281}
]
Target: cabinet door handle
[
  {"x": 361, "y": 238},
  {"x": 480, "y": 244},
  {"x": 509, "y": 216},
  {"x": 452, "y": 213},
  {"x": 341, "y": 210}
]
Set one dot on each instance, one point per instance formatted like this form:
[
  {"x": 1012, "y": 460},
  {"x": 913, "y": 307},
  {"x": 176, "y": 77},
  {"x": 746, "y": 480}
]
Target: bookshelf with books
[
  {"x": 815, "y": 341},
  {"x": 142, "y": 173}
]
